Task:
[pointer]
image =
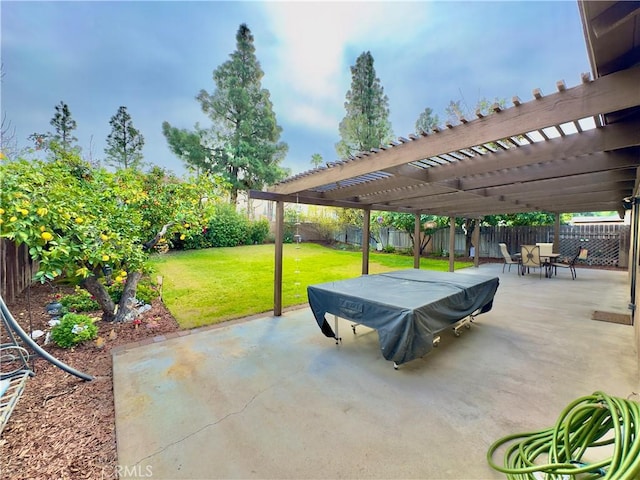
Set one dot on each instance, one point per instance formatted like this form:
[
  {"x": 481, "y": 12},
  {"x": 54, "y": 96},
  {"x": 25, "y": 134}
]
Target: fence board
[{"x": 16, "y": 269}]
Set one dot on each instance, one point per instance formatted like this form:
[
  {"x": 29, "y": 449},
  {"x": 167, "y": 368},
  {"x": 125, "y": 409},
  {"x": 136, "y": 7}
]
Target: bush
[
  {"x": 258, "y": 231},
  {"x": 73, "y": 329},
  {"x": 389, "y": 249},
  {"x": 227, "y": 228},
  {"x": 145, "y": 292},
  {"x": 81, "y": 301}
]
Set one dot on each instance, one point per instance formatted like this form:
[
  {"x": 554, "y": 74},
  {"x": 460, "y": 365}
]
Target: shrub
[
  {"x": 389, "y": 249},
  {"x": 228, "y": 228},
  {"x": 258, "y": 231},
  {"x": 73, "y": 329},
  {"x": 80, "y": 301},
  {"x": 145, "y": 292}
]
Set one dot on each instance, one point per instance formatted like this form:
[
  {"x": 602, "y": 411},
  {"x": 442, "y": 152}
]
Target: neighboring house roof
[{"x": 538, "y": 155}]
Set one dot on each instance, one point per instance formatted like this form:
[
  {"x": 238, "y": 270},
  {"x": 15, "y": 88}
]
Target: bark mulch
[{"x": 64, "y": 427}]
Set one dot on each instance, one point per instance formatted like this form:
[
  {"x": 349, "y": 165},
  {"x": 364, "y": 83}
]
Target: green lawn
[{"x": 202, "y": 287}]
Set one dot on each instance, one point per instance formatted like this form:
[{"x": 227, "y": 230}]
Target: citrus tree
[{"x": 98, "y": 226}]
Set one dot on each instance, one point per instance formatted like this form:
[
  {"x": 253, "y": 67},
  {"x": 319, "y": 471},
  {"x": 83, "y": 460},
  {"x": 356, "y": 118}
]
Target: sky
[{"x": 155, "y": 56}]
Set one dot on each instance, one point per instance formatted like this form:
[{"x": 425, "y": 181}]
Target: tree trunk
[
  {"x": 99, "y": 292},
  {"x": 126, "y": 307},
  {"x": 470, "y": 225}
]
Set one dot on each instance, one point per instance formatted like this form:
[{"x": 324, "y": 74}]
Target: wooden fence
[
  {"x": 608, "y": 245},
  {"x": 16, "y": 269}
]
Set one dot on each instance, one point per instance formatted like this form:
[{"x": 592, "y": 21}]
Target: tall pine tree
[
  {"x": 366, "y": 124},
  {"x": 62, "y": 138},
  {"x": 188, "y": 146},
  {"x": 124, "y": 143},
  {"x": 427, "y": 121},
  {"x": 64, "y": 125},
  {"x": 244, "y": 124}
]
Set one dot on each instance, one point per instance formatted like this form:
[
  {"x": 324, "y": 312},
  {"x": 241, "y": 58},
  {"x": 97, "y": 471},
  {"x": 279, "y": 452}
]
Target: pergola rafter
[{"x": 574, "y": 150}]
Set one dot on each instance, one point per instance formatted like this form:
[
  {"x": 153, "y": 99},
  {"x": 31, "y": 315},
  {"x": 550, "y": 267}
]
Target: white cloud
[
  {"x": 306, "y": 114},
  {"x": 313, "y": 39}
]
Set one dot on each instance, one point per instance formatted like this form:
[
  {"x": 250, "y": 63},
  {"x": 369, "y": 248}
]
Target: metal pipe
[
  {"x": 635, "y": 222},
  {"x": 15, "y": 327}
]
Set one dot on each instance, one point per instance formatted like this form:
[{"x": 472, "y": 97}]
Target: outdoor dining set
[{"x": 541, "y": 257}]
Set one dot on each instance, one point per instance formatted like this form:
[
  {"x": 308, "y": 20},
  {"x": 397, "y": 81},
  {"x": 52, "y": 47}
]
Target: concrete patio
[{"x": 273, "y": 398}]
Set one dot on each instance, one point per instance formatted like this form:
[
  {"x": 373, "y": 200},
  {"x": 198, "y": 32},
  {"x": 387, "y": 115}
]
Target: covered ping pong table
[{"x": 408, "y": 308}]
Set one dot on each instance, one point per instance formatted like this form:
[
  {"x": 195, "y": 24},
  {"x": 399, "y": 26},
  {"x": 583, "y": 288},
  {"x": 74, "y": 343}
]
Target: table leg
[{"x": 338, "y": 338}]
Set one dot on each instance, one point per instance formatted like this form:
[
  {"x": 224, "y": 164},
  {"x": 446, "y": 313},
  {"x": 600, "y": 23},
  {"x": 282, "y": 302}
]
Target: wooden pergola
[{"x": 574, "y": 150}]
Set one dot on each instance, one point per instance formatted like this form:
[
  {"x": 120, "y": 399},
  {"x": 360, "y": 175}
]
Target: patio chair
[
  {"x": 546, "y": 249},
  {"x": 530, "y": 258},
  {"x": 508, "y": 258},
  {"x": 570, "y": 263}
]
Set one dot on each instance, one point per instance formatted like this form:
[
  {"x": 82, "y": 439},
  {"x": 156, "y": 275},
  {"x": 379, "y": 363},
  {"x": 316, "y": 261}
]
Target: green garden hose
[{"x": 562, "y": 451}]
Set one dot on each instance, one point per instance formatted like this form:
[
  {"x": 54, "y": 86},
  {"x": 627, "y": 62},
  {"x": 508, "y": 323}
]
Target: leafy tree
[
  {"x": 456, "y": 111},
  {"x": 366, "y": 124},
  {"x": 524, "y": 219},
  {"x": 406, "y": 222},
  {"x": 427, "y": 121},
  {"x": 125, "y": 142},
  {"x": 316, "y": 160},
  {"x": 96, "y": 226},
  {"x": 188, "y": 146},
  {"x": 245, "y": 131}
]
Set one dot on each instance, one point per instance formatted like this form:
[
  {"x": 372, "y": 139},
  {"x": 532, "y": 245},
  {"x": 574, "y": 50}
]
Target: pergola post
[
  {"x": 475, "y": 241},
  {"x": 366, "y": 222},
  {"x": 556, "y": 233},
  {"x": 452, "y": 243},
  {"x": 416, "y": 242},
  {"x": 277, "y": 281}
]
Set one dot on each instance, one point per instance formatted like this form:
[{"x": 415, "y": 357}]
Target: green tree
[
  {"x": 427, "y": 121},
  {"x": 456, "y": 111},
  {"x": 366, "y": 124},
  {"x": 316, "y": 160},
  {"x": 95, "y": 226},
  {"x": 406, "y": 222},
  {"x": 188, "y": 146},
  {"x": 63, "y": 125},
  {"x": 245, "y": 130},
  {"x": 125, "y": 142}
]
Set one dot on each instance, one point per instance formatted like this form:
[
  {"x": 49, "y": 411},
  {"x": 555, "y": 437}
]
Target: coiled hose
[{"x": 582, "y": 425}]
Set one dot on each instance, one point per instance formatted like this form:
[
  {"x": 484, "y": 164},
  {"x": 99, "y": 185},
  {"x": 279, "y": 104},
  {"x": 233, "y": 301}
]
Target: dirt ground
[{"x": 64, "y": 427}]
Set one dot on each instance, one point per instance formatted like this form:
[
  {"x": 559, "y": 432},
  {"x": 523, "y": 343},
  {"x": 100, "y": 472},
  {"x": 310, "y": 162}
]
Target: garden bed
[{"x": 64, "y": 427}]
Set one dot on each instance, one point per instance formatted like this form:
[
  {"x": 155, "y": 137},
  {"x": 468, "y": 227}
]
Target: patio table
[{"x": 408, "y": 308}]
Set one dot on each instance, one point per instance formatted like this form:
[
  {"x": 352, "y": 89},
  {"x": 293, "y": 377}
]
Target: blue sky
[{"x": 154, "y": 57}]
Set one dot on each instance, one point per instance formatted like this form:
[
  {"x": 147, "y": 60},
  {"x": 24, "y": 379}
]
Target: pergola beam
[
  {"x": 606, "y": 94},
  {"x": 613, "y": 137}
]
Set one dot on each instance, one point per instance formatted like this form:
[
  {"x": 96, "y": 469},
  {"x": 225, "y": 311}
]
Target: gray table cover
[{"x": 407, "y": 307}]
